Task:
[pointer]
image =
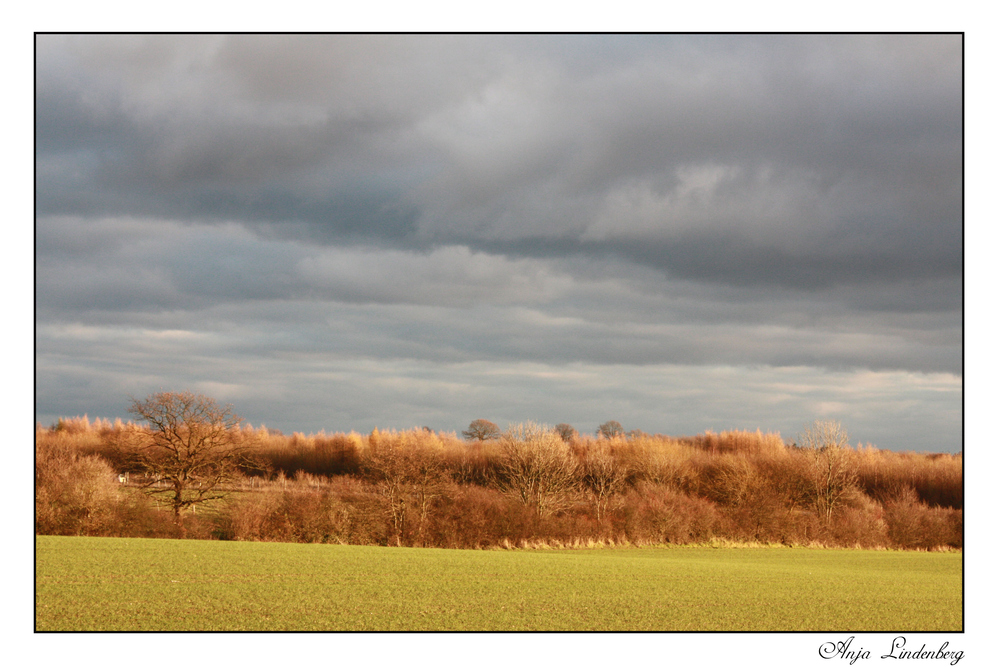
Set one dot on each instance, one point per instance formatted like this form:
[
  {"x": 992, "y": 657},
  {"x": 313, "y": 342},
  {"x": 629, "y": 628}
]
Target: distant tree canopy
[
  {"x": 611, "y": 429},
  {"x": 566, "y": 432},
  {"x": 482, "y": 429}
]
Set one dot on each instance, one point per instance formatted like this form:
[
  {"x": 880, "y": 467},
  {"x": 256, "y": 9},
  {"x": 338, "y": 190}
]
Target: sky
[{"x": 677, "y": 232}]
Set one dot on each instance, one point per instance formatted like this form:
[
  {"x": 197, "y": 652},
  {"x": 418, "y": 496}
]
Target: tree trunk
[{"x": 178, "y": 506}]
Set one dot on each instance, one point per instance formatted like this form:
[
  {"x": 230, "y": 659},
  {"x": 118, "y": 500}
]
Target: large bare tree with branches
[{"x": 191, "y": 446}]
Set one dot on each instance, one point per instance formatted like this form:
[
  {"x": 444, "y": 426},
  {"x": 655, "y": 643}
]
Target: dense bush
[
  {"x": 75, "y": 494},
  {"x": 531, "y": 486},
  {"x": 913, "y": 524},
  {"x": 654, "y": 514}
]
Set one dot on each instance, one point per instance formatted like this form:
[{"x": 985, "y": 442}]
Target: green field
[{"x": 92, "y": 583}]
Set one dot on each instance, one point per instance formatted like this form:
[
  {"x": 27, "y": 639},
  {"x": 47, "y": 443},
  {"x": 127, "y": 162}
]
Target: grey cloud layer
[
  {"x": 453, "y": 304},
  {"x": 746, "y": 201},
  {"x": 790, "y": 156}
]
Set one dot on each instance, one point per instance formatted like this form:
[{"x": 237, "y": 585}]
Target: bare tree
[
  {"x": 566, "y": 432},
  {"x": 611, "y": 429},
  {"x": 482, "y": 429},
  {"x": 831, "y": 472},
  {"x": 604, "y": 478},
  {"x": 192, "y": 444},
  {"x": 384, "y": 463},
  {"x": 408, "y": 474},
  {"x": 536, "y": 466}
]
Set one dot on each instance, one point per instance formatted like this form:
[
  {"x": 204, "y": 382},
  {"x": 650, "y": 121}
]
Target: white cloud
[{"x": 448, "y": 276}]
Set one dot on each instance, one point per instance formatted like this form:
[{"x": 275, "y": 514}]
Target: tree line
[{"x": 196, "y": 470}]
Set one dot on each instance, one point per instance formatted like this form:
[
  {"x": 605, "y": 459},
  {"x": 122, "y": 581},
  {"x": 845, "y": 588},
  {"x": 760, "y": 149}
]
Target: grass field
[{"x": 89, "y": 583}]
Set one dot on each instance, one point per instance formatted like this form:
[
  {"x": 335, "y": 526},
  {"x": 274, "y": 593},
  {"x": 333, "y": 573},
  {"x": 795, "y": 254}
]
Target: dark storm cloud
[
  {"x": 778, "y": 159},
  {"x": 795, "y": 149},
  {"x": 265, "y": 128}
]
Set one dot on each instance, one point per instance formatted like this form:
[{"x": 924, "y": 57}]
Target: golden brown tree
[
  {"x": 536, "y": 467},
  {"x": 604, "y": 477},
  {"x": 831, "y": 470},
  {"x": 408, "y": 471}
]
